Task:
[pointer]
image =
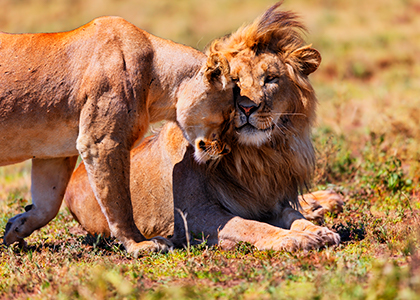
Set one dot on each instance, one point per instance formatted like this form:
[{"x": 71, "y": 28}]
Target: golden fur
[
  {"x": 93, "y": 91},
  {"x": 251, "y": 194}
]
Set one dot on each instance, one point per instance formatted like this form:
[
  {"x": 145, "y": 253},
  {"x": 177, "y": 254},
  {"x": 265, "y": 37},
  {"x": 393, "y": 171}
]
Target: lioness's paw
[
  {"x": 156, "y": 244},
  {"x": 15, "y": 230}
]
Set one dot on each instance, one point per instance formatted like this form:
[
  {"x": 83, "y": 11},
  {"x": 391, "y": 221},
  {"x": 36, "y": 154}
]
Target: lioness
[
  {"x": 251, "y": 194},
  {"x": 93, "y": 91}
]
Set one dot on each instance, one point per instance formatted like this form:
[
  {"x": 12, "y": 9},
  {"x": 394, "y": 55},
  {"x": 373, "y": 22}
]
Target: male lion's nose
[{"x": 248, "y": 108}]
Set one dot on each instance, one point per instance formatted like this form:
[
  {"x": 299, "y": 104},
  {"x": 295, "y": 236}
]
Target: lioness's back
[{"x": 47, "y": 77}]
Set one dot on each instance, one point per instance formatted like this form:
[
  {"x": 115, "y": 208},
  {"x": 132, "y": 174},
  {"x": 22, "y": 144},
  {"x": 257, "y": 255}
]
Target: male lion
[
  {"x": 93, "y": 91},
  {"x": 251, "y": 193}
]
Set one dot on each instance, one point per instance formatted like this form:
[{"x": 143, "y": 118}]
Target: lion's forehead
[{"x": 248, "y": 66}]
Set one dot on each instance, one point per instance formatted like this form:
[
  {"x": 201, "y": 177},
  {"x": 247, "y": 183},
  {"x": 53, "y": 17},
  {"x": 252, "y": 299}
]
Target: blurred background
[{"x": 368, "y": 85}]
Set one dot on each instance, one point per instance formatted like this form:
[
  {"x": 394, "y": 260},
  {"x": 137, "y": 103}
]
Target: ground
[{"x": 367, "y": 139}]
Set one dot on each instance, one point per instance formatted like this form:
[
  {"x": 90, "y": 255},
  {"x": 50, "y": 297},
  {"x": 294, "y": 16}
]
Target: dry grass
[{"x": 368, "y": 141}]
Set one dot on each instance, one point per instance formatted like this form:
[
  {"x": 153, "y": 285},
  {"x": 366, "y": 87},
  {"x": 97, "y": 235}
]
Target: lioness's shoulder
[
  {"x": 169, "y": 141},
  {"x": 109, "y": 23},
  {"x": 104, "y": 20}
]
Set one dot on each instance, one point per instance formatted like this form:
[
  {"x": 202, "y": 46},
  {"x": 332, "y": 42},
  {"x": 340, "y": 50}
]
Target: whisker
[
  {"x": 291, "y": 114},
  {"x": 280, "y": 129},
  {"x": 287, "y": 130},
  {"x": 284, "y": 130}
]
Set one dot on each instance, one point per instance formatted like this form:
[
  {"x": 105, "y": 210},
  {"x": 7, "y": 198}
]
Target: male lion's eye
[{"x": 271, "y": 79}]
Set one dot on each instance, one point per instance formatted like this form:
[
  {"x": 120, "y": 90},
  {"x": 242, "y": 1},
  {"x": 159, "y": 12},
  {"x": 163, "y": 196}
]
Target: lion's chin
[{"x": 251, "y": 136}]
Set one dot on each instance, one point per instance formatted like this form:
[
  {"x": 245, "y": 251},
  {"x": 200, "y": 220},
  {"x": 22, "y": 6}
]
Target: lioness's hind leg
[{"x": 49, "y": 181}]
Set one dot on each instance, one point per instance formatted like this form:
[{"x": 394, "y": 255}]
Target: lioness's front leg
[
  {"x": 49, "y": 181},
  {"x": 105, "y": 138}
]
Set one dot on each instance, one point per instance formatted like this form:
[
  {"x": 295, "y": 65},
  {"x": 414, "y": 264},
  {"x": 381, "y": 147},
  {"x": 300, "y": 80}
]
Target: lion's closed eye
[{"x": 271, "y": 80}]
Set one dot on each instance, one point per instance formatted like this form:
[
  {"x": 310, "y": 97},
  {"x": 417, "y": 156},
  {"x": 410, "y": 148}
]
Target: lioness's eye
[{"x": 271, "y": 79}]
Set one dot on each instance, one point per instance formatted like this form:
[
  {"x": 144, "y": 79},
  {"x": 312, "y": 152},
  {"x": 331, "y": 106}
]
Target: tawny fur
[
  {"x": 93, "y": 91},
  {"x": 251, "y": 194}
]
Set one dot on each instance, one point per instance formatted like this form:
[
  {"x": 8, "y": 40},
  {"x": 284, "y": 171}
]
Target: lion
[
  {"x": 251, "y": 193},
  {"x": 93, "y": 91}
]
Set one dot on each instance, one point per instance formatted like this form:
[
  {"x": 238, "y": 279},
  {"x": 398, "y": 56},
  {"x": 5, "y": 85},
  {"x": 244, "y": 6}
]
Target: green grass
[{"x": 367, "y": 140}]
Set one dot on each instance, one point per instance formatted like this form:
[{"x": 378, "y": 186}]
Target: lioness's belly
[{"x": 27, "y": 141}]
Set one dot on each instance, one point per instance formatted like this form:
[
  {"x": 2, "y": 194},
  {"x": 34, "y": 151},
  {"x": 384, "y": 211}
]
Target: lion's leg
[
  {"x": 265, "y": 236},
  {"x": 104, "y": 142},
  {"x": 49, "y": 181},
  {"x": 219, "y": 226},
  {"x": 314, "y": 205}
]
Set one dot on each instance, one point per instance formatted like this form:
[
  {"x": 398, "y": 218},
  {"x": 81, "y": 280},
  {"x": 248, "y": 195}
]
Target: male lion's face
[{"x": 267, "y": 100}]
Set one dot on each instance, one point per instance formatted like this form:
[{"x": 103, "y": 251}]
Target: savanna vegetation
[{"x": 368, "y": 146}]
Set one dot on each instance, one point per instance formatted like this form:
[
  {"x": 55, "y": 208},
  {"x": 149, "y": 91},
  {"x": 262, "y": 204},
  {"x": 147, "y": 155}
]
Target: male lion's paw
[
  {"x": 304, "y": 241},
  {"x": 316, "y": 204},
  {"x": 294, "y": 240},
  {"x": 328, "y": 237},
  {"x": 330, "y": 200},
  {"x": 156, "y": 244},
  {"x": 312, "y": 210}
]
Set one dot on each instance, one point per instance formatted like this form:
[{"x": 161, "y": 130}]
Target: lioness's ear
[
  {"x": 217, "y": 70},
  {"x": 306, "y": 59}
]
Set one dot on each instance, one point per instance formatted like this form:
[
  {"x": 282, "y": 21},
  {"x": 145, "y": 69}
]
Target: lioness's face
[
  {"x": 267, "y": 100},
  {"x": 205, "y": 119},
  {"x": 205, "y": 109}
]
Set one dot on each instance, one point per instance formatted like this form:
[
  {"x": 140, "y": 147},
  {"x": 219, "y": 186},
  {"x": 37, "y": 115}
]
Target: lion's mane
[{"x": 259, "y": 177}]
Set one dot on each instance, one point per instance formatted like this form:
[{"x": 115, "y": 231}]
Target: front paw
[
  {"x": 292, "y": 241},
  {"x": 330, "y": 201},
  {"x": 328, "y": 237},
  {"x": 15, "y": 229}
]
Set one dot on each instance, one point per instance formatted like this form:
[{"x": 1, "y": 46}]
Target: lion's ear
[
  {"x": 306, "y": 59},
  {"x": 217, "y": 70}
]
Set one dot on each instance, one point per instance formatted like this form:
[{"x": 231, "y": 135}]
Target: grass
[{"x": 367, "y": 140}]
